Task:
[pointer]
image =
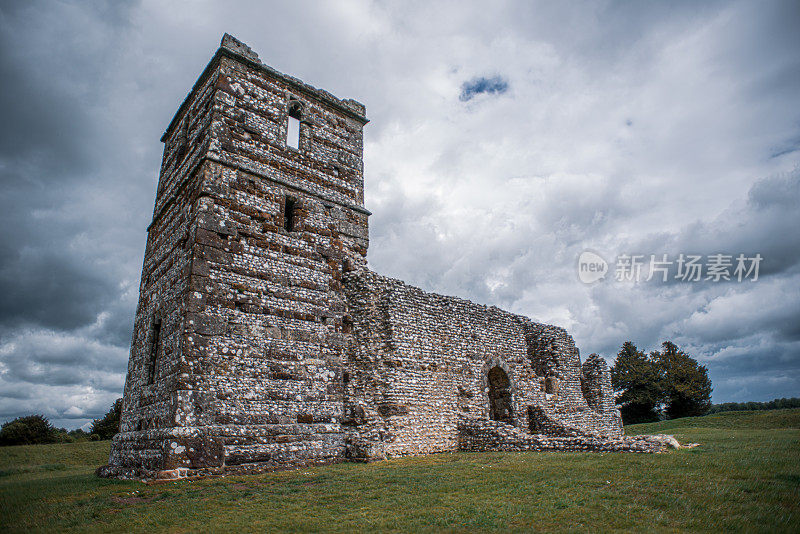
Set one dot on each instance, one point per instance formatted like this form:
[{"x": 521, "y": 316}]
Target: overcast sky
[{"x": 505, "y": 139}]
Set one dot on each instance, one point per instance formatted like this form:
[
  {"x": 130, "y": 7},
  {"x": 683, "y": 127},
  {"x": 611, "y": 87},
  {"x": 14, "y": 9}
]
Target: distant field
[{"x": 745, "y": 476}]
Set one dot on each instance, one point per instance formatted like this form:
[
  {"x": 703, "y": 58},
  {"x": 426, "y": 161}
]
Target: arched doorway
[{"x": 500, "y": 406}]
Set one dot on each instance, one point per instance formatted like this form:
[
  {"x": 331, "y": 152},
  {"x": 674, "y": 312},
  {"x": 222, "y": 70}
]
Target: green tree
[
  {"x": 28, "y": 430},
  {"x": 687, "y": 388},
  {"x": 108, "y": 426},
  {"x": 638, "y": 380}
]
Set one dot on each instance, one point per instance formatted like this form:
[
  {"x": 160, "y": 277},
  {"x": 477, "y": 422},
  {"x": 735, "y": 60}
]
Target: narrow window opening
[
  {"x": 155, "y": 345},
  {"x": 336, "y": 171},
  {"x": 293, "y": 133},
  {"x": 182, "y": 142},
  {"x": 294, "y": 124},
  {"x": 551, "y": 385},
  {"x": 346, "y": 377},
  {"x": 289, "y": 215},
  {"x": 347, "y": 325}
]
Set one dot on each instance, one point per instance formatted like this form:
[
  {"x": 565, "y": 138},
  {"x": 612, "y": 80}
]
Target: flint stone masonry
[{"x": 263, "y": 341}]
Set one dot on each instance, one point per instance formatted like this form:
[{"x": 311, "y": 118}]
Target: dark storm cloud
[
  {"x": 53, "y": 70},
  {"x": 734, "y": 328},
  {"x": 764, "y": 223},
  {"x": 40, "y": 123},
  {"x": 495, "y": 85},
  {"x": 51, "y": 289},
  {"x": 47, "y": 143},
  {"x": 65, "y": 315}
]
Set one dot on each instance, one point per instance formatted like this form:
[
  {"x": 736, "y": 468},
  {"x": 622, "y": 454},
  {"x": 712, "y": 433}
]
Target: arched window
[{"x": 500, "y": 405}]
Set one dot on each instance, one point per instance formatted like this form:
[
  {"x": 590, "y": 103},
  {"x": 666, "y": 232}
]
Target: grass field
[{"x": 745, "y": 476}]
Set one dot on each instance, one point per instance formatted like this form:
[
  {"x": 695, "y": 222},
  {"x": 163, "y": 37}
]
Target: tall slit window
[
  {"x": 293, "y": 129},
  {"x": 182, "y": 142},
  {"x": 289, "y": 215},
  {"x": 155, "y": 345}
]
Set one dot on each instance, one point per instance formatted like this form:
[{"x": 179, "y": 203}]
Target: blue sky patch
[{"x": 494, "y": 85}]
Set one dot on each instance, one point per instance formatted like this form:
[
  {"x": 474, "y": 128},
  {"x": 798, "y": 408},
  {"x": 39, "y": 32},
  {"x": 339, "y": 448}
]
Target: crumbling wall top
[
  {"x": 232, "y": 47},
  {"x": 235, "y": 45}
]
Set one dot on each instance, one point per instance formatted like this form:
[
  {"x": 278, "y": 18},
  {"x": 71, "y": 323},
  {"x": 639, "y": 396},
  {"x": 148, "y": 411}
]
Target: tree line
[
  {"x": 776, "y": 404},
  {"x": 36, "y": 429}
]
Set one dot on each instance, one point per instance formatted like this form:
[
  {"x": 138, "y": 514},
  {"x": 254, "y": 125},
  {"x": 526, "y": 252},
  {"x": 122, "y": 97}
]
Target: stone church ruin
[{"x": 262, "y": 340}]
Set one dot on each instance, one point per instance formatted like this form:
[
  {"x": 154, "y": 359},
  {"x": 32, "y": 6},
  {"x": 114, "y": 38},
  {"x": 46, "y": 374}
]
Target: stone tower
[
  {"x": 258, "y": 212},
  {"x": 261, "y": 338}
]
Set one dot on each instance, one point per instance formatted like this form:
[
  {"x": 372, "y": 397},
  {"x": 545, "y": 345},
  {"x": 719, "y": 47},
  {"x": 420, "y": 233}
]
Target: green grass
[{"x": 745, "y": 476}]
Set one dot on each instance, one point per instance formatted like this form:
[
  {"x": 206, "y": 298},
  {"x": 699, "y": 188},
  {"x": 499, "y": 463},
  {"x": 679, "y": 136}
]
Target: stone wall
[
  {"x": 480, "y": 435},
  {"x": 418, "y": 363}
]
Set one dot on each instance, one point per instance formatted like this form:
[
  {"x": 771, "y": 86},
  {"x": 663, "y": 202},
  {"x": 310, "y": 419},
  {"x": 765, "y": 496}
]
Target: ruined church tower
[
  {"x": 262, "y": 340},
  {"x": 259, "y": 210}
]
